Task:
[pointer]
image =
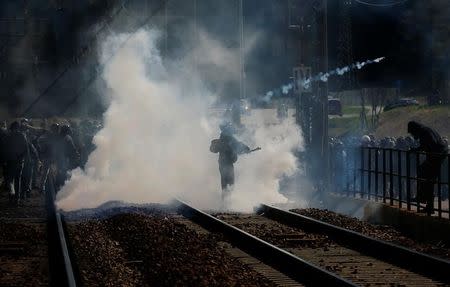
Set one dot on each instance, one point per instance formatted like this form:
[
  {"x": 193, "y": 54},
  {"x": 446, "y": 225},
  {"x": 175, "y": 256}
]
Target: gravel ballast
[
  {"x": 382, "y": 232},
  {"x": 154, "y": 250}
]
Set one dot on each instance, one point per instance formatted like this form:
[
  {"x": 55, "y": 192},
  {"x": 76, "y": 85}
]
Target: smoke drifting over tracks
[{"x": 157, "y": 133}]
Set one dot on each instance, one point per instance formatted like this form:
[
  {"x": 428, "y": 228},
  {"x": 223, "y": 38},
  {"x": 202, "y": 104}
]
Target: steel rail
[
  {"x": 289, "y": 264},
  {"x": 61, "y": 264},
  {"x": 403, "y": 257}
]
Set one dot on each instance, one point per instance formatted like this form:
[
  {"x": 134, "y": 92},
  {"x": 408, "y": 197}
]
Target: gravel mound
[
  {"x": 154, "y": 250},
  {"x": 111, "y": 208},
  {"x": 382, "y": 232}
]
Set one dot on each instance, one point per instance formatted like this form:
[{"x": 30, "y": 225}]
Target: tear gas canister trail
[{"x": 284, "y": 89}]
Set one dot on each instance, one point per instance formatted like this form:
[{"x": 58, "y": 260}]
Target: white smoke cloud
[
  {"x": 157, "y": 131},
  {"x": 258, "y": 174}
]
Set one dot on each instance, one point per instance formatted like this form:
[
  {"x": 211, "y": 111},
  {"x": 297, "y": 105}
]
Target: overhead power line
[
  {"x": 389, "y": 4},
  {"x": 99, "y": 71},
  {"x": 72, "y": 63}
]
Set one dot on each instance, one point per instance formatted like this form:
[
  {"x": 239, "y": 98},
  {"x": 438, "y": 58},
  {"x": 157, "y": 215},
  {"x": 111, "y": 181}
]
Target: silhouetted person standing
[
  {"x": 16, "y": 152},
  {"x": 31, "y": 163},
  {"x": 48, "y": 145},
  {"x": 67, "y": 156},
  {"x": 429, "y": 141},
  {"x": 228, "y": 148},
  {"x": 3, "y": 139}
]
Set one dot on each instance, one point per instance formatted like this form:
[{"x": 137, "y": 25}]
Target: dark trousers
[
  {"x": 27, "y": 176},
  {"x": 13, "y": 179},
  {"x": 61, "y": 173},
  {"x": 226, "y": 175},
  {"x": 46, "y": 165},
  {"x": 428, "y": 173},
  {"x": 35, "y": 171}
]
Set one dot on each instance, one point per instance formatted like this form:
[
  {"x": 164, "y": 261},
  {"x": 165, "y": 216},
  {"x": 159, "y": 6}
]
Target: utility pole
[
  {"x": 195, "y": 35},
  {"x": 325, "y": 136},
  {"x": 319, "y": 103},
  {"x": 166, "y": 28},
  {"x": 345, "y": 46},
  {"x": 242, "y": 50}
]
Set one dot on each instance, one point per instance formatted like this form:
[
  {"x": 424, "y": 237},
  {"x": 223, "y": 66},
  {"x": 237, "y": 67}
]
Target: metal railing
[{"x": 389, "y": 175}]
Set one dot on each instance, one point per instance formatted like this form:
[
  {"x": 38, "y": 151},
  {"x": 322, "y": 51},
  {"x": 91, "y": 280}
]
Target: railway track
[
  {"x": 62, "y": 267},
  {"x": 406, "y": 258},
  {"x": 310, "y": 252},
  {"x": 33, "y": 246},
  {"x": 316, "y": 253}
]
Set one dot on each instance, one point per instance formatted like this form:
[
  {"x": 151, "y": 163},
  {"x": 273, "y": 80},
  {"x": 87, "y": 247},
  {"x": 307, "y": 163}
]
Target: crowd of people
[
  {"x": 30, "y": 154},
  {"x": 348, "y": 160},
  {"x": 403, "y": 143}
]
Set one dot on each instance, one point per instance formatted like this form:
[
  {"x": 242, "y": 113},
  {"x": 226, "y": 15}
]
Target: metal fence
[{"x": 389, "y": 175}]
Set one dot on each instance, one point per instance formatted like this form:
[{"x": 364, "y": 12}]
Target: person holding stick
[{"x": 228, "y": 148}]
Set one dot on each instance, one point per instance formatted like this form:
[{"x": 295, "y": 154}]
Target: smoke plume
[{"x": 157, "y": 130}]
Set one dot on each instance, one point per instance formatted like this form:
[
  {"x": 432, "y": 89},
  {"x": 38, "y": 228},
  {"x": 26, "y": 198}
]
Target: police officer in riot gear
[{"x": 228, "y": 148}]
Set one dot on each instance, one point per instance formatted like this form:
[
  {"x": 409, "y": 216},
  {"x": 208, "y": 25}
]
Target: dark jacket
[
  {"x": 70, "y": 151},
  {"x": 430, "y": 140},
  {"x": 3, "y": 138},
  {"x": 16, "y": 146},
  {"x": 228, "y": 148}
]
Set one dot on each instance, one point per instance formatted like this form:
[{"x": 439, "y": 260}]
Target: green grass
[
  {"x": 352, "y": 110},
  {"x": 395, "y": 122},
  {"x": 439, "y": 108},
  {"x": 340, "y": 126}
]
